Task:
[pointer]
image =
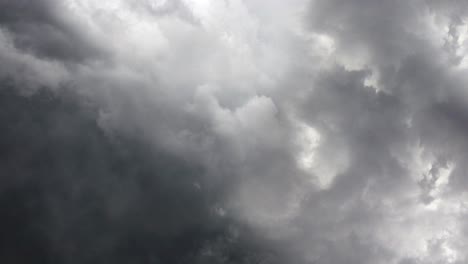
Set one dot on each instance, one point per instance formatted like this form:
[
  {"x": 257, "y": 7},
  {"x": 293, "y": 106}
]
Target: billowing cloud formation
[{"x": 235, "y": 131}]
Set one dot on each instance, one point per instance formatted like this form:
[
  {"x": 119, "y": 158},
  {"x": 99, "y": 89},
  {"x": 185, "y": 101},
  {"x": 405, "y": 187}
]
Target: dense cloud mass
[{"x": 237, "y": 131}]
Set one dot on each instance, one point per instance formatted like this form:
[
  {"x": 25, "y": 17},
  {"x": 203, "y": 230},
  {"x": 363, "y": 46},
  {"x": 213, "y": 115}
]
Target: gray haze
[{"x": 237, "y": 131}]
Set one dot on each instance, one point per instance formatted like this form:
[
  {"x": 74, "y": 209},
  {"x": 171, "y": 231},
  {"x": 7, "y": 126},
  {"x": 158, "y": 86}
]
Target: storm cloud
[{"x": 239, "y": 131}]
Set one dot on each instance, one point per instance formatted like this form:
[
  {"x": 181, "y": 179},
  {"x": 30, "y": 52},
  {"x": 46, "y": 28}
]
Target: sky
[{"x": 234, "y": 132}]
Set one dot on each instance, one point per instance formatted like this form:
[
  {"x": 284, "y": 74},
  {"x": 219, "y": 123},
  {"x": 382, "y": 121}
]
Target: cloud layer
[{"x": 182, "y": 131}]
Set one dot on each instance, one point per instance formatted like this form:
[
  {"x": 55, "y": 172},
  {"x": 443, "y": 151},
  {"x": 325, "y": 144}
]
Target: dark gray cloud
[
  {"x": 234, "y": 131},
  {"x": 40, "y": 27},
  {"x": 71, "y": 194}
]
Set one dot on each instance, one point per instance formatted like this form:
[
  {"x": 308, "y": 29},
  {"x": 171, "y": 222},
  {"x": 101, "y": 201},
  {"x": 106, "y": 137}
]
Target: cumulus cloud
[{"x": 182, "y": 131}]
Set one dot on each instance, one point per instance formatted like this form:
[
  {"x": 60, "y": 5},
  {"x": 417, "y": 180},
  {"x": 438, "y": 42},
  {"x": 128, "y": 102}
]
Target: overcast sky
[{"x": 235, "y": 131}]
